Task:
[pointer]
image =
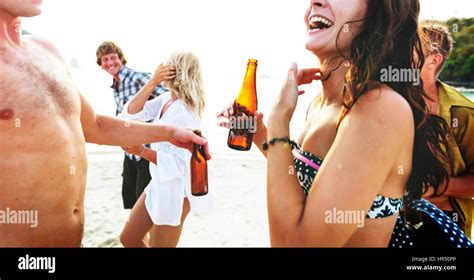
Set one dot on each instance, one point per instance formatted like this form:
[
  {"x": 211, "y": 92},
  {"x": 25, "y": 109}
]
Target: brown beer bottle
[
  {"x": 245, "y": 106},
  {"x": 199, "y": 183}
]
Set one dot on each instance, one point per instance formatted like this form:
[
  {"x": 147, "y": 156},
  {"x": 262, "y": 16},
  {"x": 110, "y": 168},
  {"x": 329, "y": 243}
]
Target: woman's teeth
[{"x": 318, "y": 23}]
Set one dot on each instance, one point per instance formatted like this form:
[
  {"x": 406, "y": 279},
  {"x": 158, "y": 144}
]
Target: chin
[
  {"x": 317, "y": 49},
  {"x": 31, "y": 8},
  {"x": 32, "y": 12}
]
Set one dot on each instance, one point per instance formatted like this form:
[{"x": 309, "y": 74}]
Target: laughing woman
[{"x": 368, "y": 143}]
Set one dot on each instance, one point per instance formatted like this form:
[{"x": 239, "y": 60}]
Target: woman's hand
[
  {"x": 260, "y": 135},
  {"x": 308, "y": 76},
  {"x": 228, "y": 113},
  {"x": 134, "y": 150},
  {"x": 163, "y": 73},
  {"x": 286, "y": 102}
]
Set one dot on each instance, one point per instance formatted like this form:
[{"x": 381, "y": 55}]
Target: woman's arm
[
  {"x": 348, "y": 180},
  {"x": 162, "y": 73},
  {"x": 149, "y": 155},
  {"x": 141, "y": 151},
  {"x": 260, "y": 137}
]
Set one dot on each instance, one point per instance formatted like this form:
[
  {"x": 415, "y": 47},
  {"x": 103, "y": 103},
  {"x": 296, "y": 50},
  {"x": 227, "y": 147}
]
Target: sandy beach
[
  {"x": 238, "y": 220},
  {"x": 237, "y": 180}
]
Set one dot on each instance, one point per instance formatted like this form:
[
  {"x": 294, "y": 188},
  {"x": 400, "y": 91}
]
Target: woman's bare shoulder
[{"x": 383, "y": 106}]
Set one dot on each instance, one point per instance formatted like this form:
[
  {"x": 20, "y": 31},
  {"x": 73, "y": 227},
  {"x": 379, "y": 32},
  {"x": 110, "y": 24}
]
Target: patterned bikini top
[{"x": 307, "y": 166}]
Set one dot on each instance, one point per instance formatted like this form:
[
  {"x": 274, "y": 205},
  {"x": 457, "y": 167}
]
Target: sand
[{"x": 238, "y": 220}]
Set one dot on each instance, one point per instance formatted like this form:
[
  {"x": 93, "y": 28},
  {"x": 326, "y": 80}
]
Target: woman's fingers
[
  {"x": 227, "y": 112},
  {"x": 166, "y": 70},
  {"x": 292, "y": 75},
  {"x": 307, "y": 76},
  {"x": 225, "y": 124}
]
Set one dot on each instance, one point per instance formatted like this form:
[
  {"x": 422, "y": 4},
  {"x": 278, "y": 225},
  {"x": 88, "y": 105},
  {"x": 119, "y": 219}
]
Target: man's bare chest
[{"x": 36, "y": 82}]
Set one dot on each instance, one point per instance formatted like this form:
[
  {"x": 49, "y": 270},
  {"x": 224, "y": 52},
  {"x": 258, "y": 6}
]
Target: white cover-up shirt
[{"x": 171, "y": 176}]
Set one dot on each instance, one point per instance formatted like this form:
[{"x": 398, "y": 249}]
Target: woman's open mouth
[{"x": 318, "y": 23}]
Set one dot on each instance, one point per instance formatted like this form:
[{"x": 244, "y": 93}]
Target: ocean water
[{"x": 469, "y": 93}]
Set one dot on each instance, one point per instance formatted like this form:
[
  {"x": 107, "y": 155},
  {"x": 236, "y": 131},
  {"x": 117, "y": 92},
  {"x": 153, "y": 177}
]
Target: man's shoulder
[
  {"x": 463, "y": 114},
  {"x": 45, "y": 44},
  {"x": 135, "y": 73},
  {"x": 453, "y": 97}
]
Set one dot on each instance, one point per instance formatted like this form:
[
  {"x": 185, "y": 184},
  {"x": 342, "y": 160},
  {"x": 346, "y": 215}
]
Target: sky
[
  {"x": 148, "y": 31},
  {"x": 221, "y": 31}
]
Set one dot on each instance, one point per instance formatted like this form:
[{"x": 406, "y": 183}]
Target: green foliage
[{"x": 460, "y": 65}]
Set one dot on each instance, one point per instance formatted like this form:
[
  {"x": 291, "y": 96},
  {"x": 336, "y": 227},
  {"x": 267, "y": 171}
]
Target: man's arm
[
  {"x": 461, "y": 186},
  {"x": 111, "y": 131},
  {"x": 104, "y": 130}
]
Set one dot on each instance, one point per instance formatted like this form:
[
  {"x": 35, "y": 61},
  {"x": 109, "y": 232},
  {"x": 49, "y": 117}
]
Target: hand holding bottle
[{"x": 224, "y": 121}]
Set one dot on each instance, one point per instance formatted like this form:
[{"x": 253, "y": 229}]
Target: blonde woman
[{"x": 167, "y": 200}]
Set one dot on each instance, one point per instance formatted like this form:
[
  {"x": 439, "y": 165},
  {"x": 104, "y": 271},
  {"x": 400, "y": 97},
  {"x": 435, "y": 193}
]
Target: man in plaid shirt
[{"x": 126, "y": 83}]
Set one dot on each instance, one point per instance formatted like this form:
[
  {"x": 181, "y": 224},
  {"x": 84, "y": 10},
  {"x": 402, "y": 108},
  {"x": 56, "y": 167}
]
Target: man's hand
[
  {"x": 185, "y": 138},
  {"x": 163, "y": 73},
  {"x": 134, "y": 150}
]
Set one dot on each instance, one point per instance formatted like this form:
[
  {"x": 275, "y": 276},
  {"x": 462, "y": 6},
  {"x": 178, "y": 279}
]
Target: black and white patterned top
[{"x": 307, "y": 166}]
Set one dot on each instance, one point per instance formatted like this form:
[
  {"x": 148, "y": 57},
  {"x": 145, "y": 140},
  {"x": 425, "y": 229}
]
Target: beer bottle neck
[{"x": 250, "y": 76}]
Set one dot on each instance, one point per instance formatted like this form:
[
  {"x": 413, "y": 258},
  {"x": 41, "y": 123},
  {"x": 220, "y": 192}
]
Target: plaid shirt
[{"x": 131, "y": 82}]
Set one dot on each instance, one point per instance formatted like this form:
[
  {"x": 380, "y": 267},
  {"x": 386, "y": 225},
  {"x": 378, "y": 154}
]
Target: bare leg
[
  {"x": 138, "y": 225},
  {"x": 168, "y": 236}
]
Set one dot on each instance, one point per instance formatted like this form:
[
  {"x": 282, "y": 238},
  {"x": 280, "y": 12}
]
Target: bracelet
[{"x": 285, "y": 140}]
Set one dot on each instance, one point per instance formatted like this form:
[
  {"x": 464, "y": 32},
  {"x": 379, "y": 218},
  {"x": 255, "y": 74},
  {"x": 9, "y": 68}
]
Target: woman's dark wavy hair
[{"x": 389, "y": 37}]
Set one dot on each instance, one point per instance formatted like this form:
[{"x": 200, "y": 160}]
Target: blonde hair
[
  {"x": 436, "y": 38},
  {"x": 188, "y": 84}
]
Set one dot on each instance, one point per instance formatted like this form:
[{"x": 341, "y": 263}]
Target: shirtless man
[{"x": 44, "y": 125}]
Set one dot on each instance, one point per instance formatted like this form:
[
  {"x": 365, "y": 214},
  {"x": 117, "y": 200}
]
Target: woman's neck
[
  {"x": 174, "y": 97},
  {"x": 333, "y": 75}
]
